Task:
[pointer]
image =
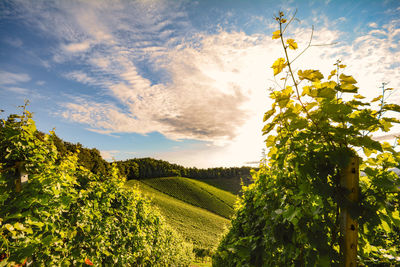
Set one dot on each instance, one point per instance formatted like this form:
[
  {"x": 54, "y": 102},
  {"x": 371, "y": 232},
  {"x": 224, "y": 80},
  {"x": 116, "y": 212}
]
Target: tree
[{"x": 291, "y": 214}]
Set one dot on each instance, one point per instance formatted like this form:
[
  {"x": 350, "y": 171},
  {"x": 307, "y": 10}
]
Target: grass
[
  {"x": 196, "y": 193},
  {"x": 198, "y": 225},
  {"x": 232, "y": 185}
]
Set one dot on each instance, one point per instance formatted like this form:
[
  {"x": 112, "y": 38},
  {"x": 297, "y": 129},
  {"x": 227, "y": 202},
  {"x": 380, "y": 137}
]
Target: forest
[{"x": 142, "y": 168}]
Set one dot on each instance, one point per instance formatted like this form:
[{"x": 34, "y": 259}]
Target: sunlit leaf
[
  {"x": 332, "y": 74},
  {"x": 392, "y": 107},
  {"x": 377, "y": 98},
  {"x": 276, "y": 34},
  {"x": 292, "y": 44},
  {"x": 348, "y": 88},
  {"x": 311, "y": 75},
  {"x": 347, "y": 79},
  {"x": 359, "y": 96},
  {"x": 268, "y": 114},
  {"x": 278, "y": 66}
]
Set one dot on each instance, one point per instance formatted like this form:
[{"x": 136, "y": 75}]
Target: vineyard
[
  {"x": 66, "y": 215},
  {"x": 307, "y": 204}
]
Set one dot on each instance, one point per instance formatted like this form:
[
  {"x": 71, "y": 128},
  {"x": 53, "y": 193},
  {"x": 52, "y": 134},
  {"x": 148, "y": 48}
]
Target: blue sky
[{"x": 183, "y": 81}]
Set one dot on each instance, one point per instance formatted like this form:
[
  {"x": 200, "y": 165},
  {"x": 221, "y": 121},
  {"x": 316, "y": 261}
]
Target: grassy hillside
[
  {"x": 197, "y": 193},
  {"x": 198, "y": 225},
  {"x": 232, "y": 185}
]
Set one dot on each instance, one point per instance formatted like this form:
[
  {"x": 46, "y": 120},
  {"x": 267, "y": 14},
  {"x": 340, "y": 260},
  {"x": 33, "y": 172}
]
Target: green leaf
[
  {"x": 326, "y": 93},
  {"x": 268, "y": 114},
  {"x": 268, "y": 127},
  {"x": 270, "y": 141}
]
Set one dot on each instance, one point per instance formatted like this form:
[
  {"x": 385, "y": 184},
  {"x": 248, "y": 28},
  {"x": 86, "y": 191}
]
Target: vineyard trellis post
[
  {"x": 21, "y": 176},
  {"x": 348, "y": 225}
]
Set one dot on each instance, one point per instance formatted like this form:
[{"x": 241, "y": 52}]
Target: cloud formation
[
  {"x": 7, "y": 78},
  {"x": 157, "y": 73}
]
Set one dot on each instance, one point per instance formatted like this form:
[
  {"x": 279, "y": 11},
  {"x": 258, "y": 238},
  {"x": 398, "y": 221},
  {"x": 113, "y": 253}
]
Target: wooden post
[
  {"x": 348, "y": 226},
  {"x": 21, "y": 176}
]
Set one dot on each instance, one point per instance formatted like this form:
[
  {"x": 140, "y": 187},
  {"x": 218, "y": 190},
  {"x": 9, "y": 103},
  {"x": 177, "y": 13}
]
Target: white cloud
[
  {"x": 81, "y": 77},
  {"x": 109, "y": 154},
  {"x": 13, "y": 78},
  {"x": 210, "y": 87},
  {"x": 18, "y": 90},
  {"x": 373, "y": 25},
  {"x": 76, "y": 47}
]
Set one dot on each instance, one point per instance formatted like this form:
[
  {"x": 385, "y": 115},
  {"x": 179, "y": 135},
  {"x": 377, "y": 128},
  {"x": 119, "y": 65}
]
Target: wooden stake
[
  {"x": 349, "y": 226},
  {"x": 21, "y": 176}
]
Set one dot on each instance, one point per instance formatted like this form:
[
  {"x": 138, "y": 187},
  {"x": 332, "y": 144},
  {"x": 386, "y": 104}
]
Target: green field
[
  {"x": 196, "y": 193},
  {"x": 198, "y": 225},
  {"x": 233, "y": 185}
]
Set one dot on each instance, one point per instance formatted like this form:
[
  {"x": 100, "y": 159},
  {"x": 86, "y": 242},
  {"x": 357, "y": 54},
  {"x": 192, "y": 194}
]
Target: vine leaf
[
  {"x": 292, "y": 44},
  {"x": 332, "y": 74},
  {"x": 347, "y": 79},
  {"x": 311, "y": 75},
  {"x": 276, "y": 34},
  {"x": 278, "y": 65}
]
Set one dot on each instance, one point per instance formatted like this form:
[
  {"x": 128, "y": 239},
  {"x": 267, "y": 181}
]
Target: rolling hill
[
  {"x": 195, "y": 209},
  {"x": 196, "y": 193}
]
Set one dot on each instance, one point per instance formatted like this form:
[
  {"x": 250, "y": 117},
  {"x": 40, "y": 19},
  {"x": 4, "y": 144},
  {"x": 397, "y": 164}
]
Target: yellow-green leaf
[
  {"x": 347, "y": 79},
  {"x": 326, "y": 93},
  {"x": 342, "y": 66},
  {"x": 278, "y": 65},
  {"x": 292, "y": 44},
  {"x": 332, "y": 73},
  {"x": 276, "y": 34},
  {"x": 359, "y": 96},
  {"x": 270, "y": 141},
  {"x": 311, "y": 75},
  {"x": 348, "y": 87},
  {"x": 392, "y": 107},
  {"x": 377, "y": 98},
  {"x": 268, "y": 114}
]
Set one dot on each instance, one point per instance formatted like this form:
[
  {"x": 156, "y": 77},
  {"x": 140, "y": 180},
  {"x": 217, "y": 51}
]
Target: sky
[{"x": 183, "y": 81}]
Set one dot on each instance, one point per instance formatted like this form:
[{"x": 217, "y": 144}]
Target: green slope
[
  {"x": 197, "y": 193},
  {"x": 233, "y": 185},
  {"x": 198, "y": 225}
]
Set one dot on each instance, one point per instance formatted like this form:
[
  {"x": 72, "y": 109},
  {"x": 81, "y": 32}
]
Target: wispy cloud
[
  {"x": 160, "y": 75},
  {"x": 13, "y": 78},
  {"x": 16, "y": 42},
  {"x": 18, "y": 90}
]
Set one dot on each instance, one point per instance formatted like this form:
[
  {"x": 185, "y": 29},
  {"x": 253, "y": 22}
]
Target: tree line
[{"x": 143, "y": 168}]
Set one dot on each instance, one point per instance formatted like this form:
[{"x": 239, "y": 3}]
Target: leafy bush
[
  {"x": 66, "y": 215},
  {"x": 290, "y": 216}
]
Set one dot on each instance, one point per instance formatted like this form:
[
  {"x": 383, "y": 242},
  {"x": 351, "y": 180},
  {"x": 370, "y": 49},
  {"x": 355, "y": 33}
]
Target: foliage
[
  {"x": 143, "y": 168},
  {"x": 66, "y": 215},
  {"x": 290, "y": 215},
  {"x": 196, "y": 193},
  {"x": 197, "y": 225},
  {"x": 88, "y": 158}
]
